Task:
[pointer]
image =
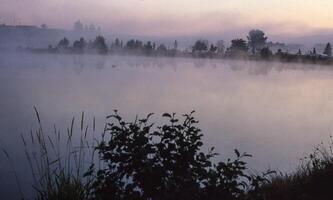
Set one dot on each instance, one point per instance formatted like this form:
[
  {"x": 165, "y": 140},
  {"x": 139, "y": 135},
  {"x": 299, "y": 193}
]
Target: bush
[{"x": 166, "y": 163}]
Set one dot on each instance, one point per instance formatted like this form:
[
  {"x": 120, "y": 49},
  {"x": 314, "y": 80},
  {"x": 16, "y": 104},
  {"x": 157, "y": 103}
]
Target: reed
[{"x": 58, "y": 162}]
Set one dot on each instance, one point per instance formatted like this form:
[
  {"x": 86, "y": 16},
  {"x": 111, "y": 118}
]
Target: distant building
[{"x": 26, "y": 36}]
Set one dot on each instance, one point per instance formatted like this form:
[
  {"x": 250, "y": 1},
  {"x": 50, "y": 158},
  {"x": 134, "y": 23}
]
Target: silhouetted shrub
[{"x": 167, "y": 163}]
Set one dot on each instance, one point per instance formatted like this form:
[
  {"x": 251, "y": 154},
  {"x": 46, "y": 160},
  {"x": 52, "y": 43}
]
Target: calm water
[{"x": 276, "y": 112}]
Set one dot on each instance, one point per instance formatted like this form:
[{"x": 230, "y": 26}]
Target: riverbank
[{"x": 174, "y": 158}]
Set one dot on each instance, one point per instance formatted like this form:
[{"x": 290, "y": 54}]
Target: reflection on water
[{"x": 277, "y": 112}]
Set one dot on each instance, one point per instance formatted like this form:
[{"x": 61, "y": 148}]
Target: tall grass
[
  {"x": 313, "y": 179},
  {"x": 62, "y": 165},
  {"x": 58, "y": 162}
]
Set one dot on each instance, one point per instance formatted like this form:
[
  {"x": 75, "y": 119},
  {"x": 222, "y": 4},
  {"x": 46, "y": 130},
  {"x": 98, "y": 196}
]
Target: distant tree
[
  {"x": 76, "y": 44},
  {"x": 80, "y": 44},
  {"x": 213, "y": 48},
  {"x": 175, "y": 45},
  {"x": 161, "y": 49},
  {"x": 116, "y": 45},
  {"x": 100, "y": 45},
  {"x": 256, "y": 40},
  {"x": 64, "y": 43},
  {"x": 134, "y": 45},
  {"x": 130, "y": 44},
  {"x": 117, "y": 42},
  {"x": 148, "y": 48},
  {"x": 266, "y": 53},
  {"x": 200, "y": 46},
  {"x": 44, "y": 26},
  {"x": 78, "y": 26},
  {"x": 314, "y": 52},
  {"x": 299, "y": 52},
  {"x": 138, "y": 44},
  {"x": 220, "y": 47},
  {"x": 238, "y": 45},
  {"x": 328, "y": 50}
]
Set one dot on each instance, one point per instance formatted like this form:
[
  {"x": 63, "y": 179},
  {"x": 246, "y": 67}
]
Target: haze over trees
[
  {"x": 255, "y": 47},
  {"x": 256, "y": 40}
]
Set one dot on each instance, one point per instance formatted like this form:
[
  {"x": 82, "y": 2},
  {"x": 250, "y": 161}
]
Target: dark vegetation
[
  {"x": 140, "y": 160},
  {"x": 313, "y": 180},
  {"x": 255, "y": 47},
  {"x": 168, "y": 163}
]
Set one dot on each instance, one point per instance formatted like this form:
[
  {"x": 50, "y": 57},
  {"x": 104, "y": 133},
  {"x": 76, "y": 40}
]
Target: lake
[{"x": 276, "y": 112}]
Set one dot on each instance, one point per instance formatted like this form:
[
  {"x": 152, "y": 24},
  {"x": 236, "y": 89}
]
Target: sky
[{"x": 172, "y": 18}]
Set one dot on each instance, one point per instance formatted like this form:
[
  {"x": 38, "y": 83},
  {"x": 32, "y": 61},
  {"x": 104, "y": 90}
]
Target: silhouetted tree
[
  {"x": 116, "y": 45},
  {"x": 100, "y": 45},
  {"x": 64, "y": 43},
  {"x": 117, "y": 42},
  {"x": 238, "y": 45},
  {"x": 256, "y": 40},
  {"x": 79, "y": 44},
  {"x": 200, "y": 46},
  {"x": 134, "y": 45},
  {"x": 148, "y": 48},
  {"x": 213, "y": 48},
  {"x": 44, "y": 26},
  {"x": 328, "y": 50}
]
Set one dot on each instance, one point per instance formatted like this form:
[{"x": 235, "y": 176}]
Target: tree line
[{"x": 255, "y": 46}]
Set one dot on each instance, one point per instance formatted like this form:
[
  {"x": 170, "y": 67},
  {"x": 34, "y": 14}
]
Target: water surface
[{"x": 276, "y": 112}]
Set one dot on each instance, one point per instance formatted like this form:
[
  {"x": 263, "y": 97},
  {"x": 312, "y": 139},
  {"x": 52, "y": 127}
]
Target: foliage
[
  {"x": 256, "y": 40},
  {"x": 312, "y": 181},
  {"x": 79, "y": 44},
  {"x": 239, "y": 44},
  {"x": 166, "y": 163},
  {"x": 100, "y": 45},
  {"x": 149, "y": 47},
  {"x": 134, "y": 44},
  {"x": 64, "y": 43},
  {"x": 200, "y": 45}
]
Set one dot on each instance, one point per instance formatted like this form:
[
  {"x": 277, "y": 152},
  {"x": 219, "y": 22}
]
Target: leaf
[
  {"x": 237, "y": 153},
  {"x": 166, "y": 115}
]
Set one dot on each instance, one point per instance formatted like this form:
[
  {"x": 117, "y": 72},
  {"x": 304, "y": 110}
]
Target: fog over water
[{"x": 276, "y": 112}]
